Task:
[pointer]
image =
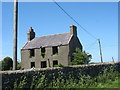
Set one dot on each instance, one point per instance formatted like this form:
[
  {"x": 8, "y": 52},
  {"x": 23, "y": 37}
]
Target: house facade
[{"x": 47, "y": 51}]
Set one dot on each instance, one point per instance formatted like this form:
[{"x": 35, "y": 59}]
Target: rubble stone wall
[{"x": 9, "y": 77}]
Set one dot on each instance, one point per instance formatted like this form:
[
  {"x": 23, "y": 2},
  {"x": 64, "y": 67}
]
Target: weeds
[{"x": 106, "y": 79}]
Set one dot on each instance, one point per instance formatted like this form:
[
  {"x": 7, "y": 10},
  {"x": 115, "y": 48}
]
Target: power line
[
  {"x": 74, "y": 20},
  {"x": 91, "y": 45},
  {"x": 81, "y": 27}
]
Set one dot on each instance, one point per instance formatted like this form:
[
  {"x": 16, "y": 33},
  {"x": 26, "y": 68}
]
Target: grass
[
  {"x": 107, "y": 79},
  {"x": 108, "y": 84}
]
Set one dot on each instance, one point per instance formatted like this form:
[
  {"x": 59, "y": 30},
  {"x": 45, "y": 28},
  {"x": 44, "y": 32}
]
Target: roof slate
[{"x": 50, "y": 40}]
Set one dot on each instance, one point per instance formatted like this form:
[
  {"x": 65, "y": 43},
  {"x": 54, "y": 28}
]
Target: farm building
[{"x": 50, "y": 50}]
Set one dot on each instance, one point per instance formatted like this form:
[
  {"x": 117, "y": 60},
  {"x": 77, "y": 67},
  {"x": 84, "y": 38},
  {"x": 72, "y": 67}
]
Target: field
[{"x": 109, "y": 78}]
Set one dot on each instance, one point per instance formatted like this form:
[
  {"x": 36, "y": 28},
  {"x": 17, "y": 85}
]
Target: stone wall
[
  {"x": 61, "y": 57},
  {"x": 9, "y": 77}
]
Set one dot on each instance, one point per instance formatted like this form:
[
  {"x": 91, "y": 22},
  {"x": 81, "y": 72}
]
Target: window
[
  {"x": 32, "y": 64},
  {"x": 55, "y": 62},
  {"x": 55, "y": 50},
  {"x": 43, "y": 52},
  {"x": 43, "y": 64},
  {"x": 32, "y": 53}
]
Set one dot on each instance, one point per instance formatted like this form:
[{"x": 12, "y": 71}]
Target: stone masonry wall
[{"x": 9, "y": 77}]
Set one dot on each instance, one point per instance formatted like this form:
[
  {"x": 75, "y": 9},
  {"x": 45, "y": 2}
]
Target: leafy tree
[
  {"x": 80, "y": 57},
  {"x": 7, "y": 63},
  {"x": 18, "y": 65}
]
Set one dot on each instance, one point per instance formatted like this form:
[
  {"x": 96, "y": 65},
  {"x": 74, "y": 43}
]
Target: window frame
[
  {"x": 42, "y": 66},
  {"x": 55, "y": 50},
  {"x": 32, "y": 52},
  {"x": 43, "y": 50},
  {"x": 32, "y": 64},
  {"x": 54, "y": 61}
]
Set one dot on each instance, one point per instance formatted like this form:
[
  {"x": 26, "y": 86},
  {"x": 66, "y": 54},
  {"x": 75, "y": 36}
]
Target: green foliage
[
  {"x": 31, "y": 56},
  {"x": 106, "y": 79},
  {"x": 59, "y": 65},
  {"x": 43, "y": 54},
  {"x": 18, "y": 65},
  {"x": 7, "y": 63},
  {"x": 41, "y": 82},
  {"x": 80, "y": 57},
  {"x": 21, "y": 84}
]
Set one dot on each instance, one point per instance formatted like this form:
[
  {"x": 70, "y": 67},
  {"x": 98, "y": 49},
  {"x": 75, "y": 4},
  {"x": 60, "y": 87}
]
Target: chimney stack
[
  {"x": 73, "y": 30},
  {"x": 31, "y": 34}
]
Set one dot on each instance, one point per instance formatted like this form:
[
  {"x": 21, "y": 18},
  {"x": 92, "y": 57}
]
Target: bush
[
  {"x": 18, "y": 66},
  {"x": 7, "y": 63},
  {"x": 80, "y": 57}
]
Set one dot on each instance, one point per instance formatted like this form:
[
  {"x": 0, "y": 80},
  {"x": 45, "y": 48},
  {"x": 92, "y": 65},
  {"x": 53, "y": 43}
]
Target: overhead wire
[
  {"x": 91, "y": 45},
  {"x": 74, "y": 20}
]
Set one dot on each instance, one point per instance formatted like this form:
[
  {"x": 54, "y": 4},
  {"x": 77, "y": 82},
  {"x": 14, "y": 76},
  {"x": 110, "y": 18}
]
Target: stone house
[{"x": 47, "y": 51}]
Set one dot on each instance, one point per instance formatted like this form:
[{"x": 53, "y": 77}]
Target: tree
[
  {"x": 80, "y": 57},
  {"x": 7, "y": 63},
  {"x": 18, "y": 65}
]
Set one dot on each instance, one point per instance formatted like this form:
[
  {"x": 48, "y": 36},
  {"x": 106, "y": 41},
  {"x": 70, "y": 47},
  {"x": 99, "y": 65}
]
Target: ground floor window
[
  {"x": 32, "y": 64},
  {"x": 55, "y": 62},
  {"x": 43, "y": 64}
]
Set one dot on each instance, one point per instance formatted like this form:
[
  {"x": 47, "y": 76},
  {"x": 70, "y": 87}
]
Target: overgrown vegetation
[
  {"x": 106, "y": 79},
  {"x": 43, "y": 54},
  {"x": 59, "y": 65},
  {"x": 80, "y": 57}
]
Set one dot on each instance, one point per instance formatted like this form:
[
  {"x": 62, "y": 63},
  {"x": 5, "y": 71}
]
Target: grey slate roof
[{"x": 50, "y": 40}]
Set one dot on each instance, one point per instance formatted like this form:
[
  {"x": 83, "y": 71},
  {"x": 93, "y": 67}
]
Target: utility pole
[
  {"x": 100, "y": 50},
  {"x": 113, "y": 59},
  {"x": 15, "y": 35}
]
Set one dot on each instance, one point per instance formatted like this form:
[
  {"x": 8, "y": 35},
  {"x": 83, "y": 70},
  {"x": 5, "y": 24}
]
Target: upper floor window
[
  {"x": 32, "y": 53},
  {"x": 43, "y": 52},
  {"x": 55, "y": 50},
  {"x": 43, "y": 49}
]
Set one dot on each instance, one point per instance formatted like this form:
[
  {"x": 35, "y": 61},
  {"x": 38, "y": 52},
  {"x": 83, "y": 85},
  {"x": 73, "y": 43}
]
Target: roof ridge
[{"x": 53, "y": 35}]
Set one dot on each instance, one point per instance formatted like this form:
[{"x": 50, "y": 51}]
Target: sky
[{"x": 46, "y": 18}]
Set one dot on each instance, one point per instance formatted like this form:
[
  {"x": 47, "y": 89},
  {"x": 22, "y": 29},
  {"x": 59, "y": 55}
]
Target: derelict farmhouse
[{"x": 47, "y": 51}]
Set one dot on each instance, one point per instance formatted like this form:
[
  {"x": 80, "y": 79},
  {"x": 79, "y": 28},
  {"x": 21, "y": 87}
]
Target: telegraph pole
[
  {"x": 100, "y": 50},
  {"x": 15, "y": 35},
  {"x": 113, "y": 59}
]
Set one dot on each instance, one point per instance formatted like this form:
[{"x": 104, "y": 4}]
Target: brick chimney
[
  {"x": 73, "y": 30},
  {"x": 31, "y": 34}
]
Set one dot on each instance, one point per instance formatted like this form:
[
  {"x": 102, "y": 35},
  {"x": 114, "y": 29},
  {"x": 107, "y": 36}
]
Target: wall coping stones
[{"x": 53, "y": 68}]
